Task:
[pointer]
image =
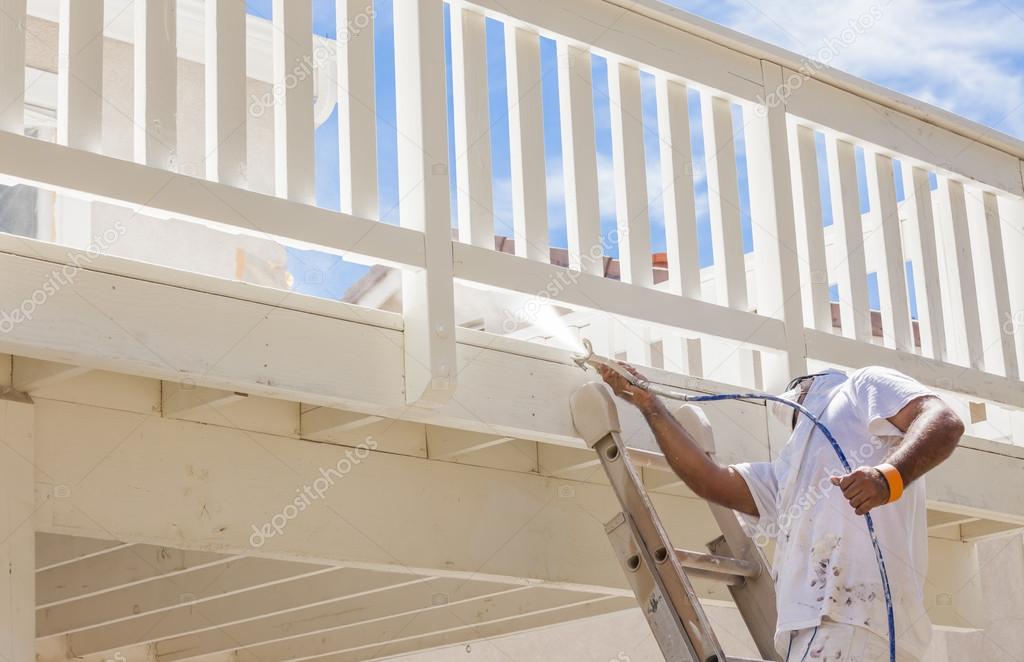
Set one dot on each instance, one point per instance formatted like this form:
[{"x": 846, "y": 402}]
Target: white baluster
[
  {"x": 357, "y": 117},
  {"x": 293, "y": 109},
  {"x": 156, "y": 87},
  {"x": 810, "y": 232},
  {"x": 226, "y": 111},
  {"x": 993, "y": 256},
  {"x": 924, "y": 258},
  {"x": 850, "y": 270},
  {"x": 80, "y": 75},
  {"x": 892, "y": 279},
  {"x": 964, "y": 284}
]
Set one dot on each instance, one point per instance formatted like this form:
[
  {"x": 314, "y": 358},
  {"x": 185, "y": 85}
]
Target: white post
[
  {"x": 226, "y": 111},
  {"x": 156, "y": 87},
  {"x": 810, "y": 233},
  {"x": 17, "y": 529},
  {"x": 775, "y": 244},
  {"x": 579, "y": 159},
  {"x": 428, "y": 294},
  {"x": 851, "y": 274},
  {"x": 357, "y": 116},
  {"x": 965, "y": 282},
  {"x": 12, "y": 66},
  {"x": 293, "y": 112},
  {"x": 80, "y": 75},
  {"x": 924, "y": 257},
  {"x": 470, "y": 101},
  {"x": 526, "y": 143}
]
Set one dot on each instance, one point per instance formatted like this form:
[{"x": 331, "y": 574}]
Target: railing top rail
[{"x": 697, "y": 26}]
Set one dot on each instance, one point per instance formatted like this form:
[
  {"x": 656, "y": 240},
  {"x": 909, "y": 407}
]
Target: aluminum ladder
[{"x": 658, "y": 573}]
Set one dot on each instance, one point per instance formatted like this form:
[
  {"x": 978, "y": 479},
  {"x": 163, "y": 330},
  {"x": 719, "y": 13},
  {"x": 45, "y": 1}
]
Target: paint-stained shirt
[{"x": 824, "y": 564}]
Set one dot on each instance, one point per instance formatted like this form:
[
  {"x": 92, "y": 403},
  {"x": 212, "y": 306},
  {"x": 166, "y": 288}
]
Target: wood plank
[
  {"x": 80, "y": 75},
  {"x": 774, "y": 232},
  {"x": 186, "y": 399},
  {"x": 156, "y": 87},
  {"x": 724, "y": 202},
  {"x": 630, "y": 166},
  {"x": 892, "y": 276},
  {"x": 677, "y": 184},
  {"x": 966, "y": 281},
  {"x": 54, "y": 550},
  {"x": 809, "y": 229},
  {"x": 12, "y": 65},
  {"x": 31, "y": 375},
  {"x": 924, "y": 256},
  {"x": 851, "y": 271},
  {"x": 294, "y": 176},
  {"x": 996, "y": 261},
  {"x": 471, "y": 103},
  {"x": 526, "y": 143},
  {"x": 17, "y": 535},
  {"x": 428, "y": 295},
  {"x": 579, "y": 159},
  {"x": 154, "y": 190},
  {"x": 357, "y": 104},
  {"x": 225, "y": 100}
]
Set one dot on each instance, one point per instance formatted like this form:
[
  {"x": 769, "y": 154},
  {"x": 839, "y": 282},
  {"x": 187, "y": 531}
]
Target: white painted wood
[
  {"x": 630, "y": 172},
  {"x": 80, "y": 75},
  {"x": 153, "y": 190},
  {"x": 579, "y": 159},
  {"x": 428, "y": 296},
  {"x": 850, "y": 273},
  {"x": 156, "y": 87},
  {"x": 649, "y": 305},
  {"x": 336, "y": 586},
  {"x": 626, "y": 34},
  {"x": 17, "y": 533},
  {"x": 357, "y": 104},
  {"x": 810, "y": 233},
  {"x": 439, "y": 502},
  {"x": 226, "y": 95},
  {"x": 723, "y": 202},
  {"x": 54, "y": 550},
  {"x": 471, "y": 102},
  {"x": 995, "y": 260},
  {"x": 12, "y": 65},
  {"x": 30, "y": 375},
  {"x": 917, "y": 139},
  {"x": 526, "y": 143},
  {"x": 293, "y": 100},
  {"x": 326, "y": 421},
  {"x": 892, "y": 273},
  {"x": 677, "y": 188},
  {"x": 965, "y": 282},
  {"x": 448, "y": 444},
  {"x": 186, "y": 399},
  {"x": 924, "y": 257},
  {"x": 774, "y": 233}
]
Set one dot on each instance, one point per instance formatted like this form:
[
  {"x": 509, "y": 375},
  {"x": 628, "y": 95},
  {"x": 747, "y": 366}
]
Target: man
[{"x": 828, "y": 588}]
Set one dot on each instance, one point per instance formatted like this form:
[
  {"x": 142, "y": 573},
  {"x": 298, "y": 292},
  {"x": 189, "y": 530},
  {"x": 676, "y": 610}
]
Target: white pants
[{"x": 833, "y": 641}]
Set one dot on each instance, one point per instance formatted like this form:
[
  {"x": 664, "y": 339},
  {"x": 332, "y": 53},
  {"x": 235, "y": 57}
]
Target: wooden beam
[
  {"x": 156, "y": 84},
  {"x": 973, "y": 531},
  {"x": 448, "y": 444},
  {"x": 17, "y": 535},
  {"x": 225, "y": 101},
  {"x": 185, "y": 399},
  {"x": 162, "y": 593},
  {"x": 324, "y": 421},
  {"x": 288, "y": 598},
  {"x": 31, "y": 375},
  {"x": 55, "y": 550},
  {"x": 80, "y": 75},
  {"x": 428, "y": 295}
]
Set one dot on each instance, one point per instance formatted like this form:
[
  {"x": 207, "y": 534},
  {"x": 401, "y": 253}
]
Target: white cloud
[{"x": 962, "y": 55}]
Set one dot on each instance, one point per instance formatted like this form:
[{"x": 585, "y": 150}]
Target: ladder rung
[{"x": 725, "y": 565}]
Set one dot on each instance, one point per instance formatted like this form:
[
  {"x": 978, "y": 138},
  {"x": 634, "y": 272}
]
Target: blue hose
[{"x": 846, "y": 465}]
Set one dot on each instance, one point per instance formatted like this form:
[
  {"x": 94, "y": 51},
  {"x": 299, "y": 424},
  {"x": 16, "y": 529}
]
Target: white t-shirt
[{"x": 824, "y": 563}]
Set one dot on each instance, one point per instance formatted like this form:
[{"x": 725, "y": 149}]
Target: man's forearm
[{"x": 708, "y": 479}]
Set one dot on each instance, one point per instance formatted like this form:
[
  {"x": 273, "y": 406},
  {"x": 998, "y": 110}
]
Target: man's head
[{"x": 796, "y": 391}]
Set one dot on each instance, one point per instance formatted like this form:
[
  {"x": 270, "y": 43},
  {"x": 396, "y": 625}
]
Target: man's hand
[
  {"x": 634, "y": 395},
  {"x": 865, "y": 488}
]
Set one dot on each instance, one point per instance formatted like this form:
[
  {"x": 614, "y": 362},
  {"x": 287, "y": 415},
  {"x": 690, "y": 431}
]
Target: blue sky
[{"x": 923, "y": 48}]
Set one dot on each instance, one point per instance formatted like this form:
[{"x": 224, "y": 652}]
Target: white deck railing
[{"x": 958, "y": 237}]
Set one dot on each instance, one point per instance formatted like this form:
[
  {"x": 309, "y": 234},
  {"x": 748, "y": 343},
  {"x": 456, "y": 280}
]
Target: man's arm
[
  {"x": 931, "y": 431},
  {"x": 708, "y": 479}
]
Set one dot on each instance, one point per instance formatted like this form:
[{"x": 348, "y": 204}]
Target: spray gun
[{"x": 589, "y": 358}]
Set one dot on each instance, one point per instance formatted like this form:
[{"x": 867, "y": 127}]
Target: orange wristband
[{"x": 895, "y": 480}]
